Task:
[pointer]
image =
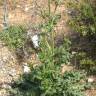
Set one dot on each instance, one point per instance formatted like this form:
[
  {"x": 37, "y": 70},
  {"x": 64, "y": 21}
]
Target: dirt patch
[
  {"x": 66, "y": 68},
  {"x": 91, "y": 92},
  {"x": 25, "y": 12}
]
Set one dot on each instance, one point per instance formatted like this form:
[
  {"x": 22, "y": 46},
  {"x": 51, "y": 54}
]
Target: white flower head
[{"x": 35, "y": 40}]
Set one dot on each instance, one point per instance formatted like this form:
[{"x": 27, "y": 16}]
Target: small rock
[
  {"x": 26, "y": 9},
  {"x": 26, "y": 68},
  {"x": 6, "y": 86},
  {"x": 65, "y": 68},
  {"x": 5, "y": 58},
  {"x": 90, "y": 80},
  {"x": 12, "y": 72},
  {"x": 73, "y": 53}
]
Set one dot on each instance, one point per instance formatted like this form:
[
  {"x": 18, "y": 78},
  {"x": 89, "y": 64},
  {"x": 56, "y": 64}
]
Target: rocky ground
[{"x": 10, "y": 70}]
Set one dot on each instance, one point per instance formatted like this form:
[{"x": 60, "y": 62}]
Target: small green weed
[{"x": 14, "y": 36}]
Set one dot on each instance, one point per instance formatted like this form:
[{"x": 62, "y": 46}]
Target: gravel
[{"x": 10, "y": 69}]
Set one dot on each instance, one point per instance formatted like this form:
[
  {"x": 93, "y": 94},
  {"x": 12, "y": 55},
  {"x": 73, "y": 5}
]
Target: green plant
[
  {"x": 83, "y": 19},
  {"x": 50, "y": 82},
  {"x": 86, "y": 62},
  {"x": 62, "y": 54},
  {"x": 50, "y": 54},
  {"x": 47, "y": 79},
  {"x": 14, "y": 36}
]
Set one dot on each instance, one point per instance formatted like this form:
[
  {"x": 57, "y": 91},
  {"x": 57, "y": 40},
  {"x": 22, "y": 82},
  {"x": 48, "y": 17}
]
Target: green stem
[{"x": 49, "y": 7}]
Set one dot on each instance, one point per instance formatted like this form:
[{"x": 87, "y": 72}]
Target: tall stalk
[
  {"x": 5, "y": 22},
  {"x": 49, "y": 7}
]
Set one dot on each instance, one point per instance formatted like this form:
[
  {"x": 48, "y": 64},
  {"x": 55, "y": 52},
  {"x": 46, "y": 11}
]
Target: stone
[
  {"x": 26, "y": 68},
  {"x": 90, "y": 80},
  {"x": 6, "y": 86}
]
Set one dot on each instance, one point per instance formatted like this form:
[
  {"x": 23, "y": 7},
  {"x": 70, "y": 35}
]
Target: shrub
[
  {"x": 83, "y": 17},
  {"x": 48, "y": 81},
  {"x": 83, "y": 20}
]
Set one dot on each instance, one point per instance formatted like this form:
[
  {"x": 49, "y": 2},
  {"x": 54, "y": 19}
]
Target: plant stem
[
  {"x": 5, "y": 23},
  {"x": 49, "y": 7}
]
